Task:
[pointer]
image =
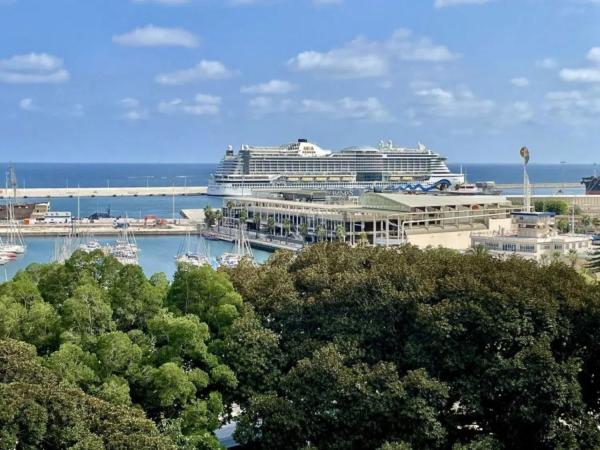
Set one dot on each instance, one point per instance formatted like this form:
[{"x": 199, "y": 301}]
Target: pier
[
  {"x": 160, "y": 191},
  {"x": 556, "y": 186}
]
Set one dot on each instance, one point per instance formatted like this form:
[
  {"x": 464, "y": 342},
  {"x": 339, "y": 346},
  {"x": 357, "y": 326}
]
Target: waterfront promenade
[
  {"x": 105, "y": 192},
  {"x": 106, "y": 228}
]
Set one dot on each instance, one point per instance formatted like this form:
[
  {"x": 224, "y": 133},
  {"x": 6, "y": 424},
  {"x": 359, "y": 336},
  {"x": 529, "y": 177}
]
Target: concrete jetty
[
  {"x": 569, "y": 185},
  {"x": 164, "y": 191}
]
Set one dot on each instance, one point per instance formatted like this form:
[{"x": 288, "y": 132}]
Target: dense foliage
[
  {"x": 421, "y": 349},
  {"x": 114, "y": 342},
  {"x": 333, "y": 348},
  {"x": 559, "y": 207}
]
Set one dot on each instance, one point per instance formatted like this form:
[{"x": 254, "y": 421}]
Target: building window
[{"x": 509, "y": 247}]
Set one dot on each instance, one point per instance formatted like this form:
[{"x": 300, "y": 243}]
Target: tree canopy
[{"x": 422, "y": 349}]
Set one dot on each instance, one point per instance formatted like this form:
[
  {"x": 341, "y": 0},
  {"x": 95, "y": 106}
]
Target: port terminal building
[
  {"x": 384, "y": 219},
  {"x": 533, "y": 236}
]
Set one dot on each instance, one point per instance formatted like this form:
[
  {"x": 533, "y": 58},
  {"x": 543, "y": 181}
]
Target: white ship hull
[{"x": 431, "y": 184}]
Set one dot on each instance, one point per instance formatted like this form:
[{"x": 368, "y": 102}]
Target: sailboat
[
  {"x": 14, "y": 239},
  {"x": 89, "y": 244},
  {"x": 63, "y": 248},
  {"x": 125, "y": 249},
  {"x": 197, "y": 257},
  {"x": 240, "y": 251}
]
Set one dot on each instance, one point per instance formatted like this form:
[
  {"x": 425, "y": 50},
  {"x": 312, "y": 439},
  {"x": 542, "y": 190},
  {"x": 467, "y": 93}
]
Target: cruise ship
[{"x": 305, "y": 165}]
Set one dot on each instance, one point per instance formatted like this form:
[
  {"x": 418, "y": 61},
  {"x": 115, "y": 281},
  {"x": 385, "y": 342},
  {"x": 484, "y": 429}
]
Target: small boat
[
  {"x": 90, "y": 246},
  {"x": 125, "y": 249},
  {"x": 197, "y": 257},
  {"x": 240, "y": 251}
]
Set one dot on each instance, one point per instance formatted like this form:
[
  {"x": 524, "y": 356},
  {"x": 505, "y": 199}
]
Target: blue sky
[{"x": 179, "y": 80}]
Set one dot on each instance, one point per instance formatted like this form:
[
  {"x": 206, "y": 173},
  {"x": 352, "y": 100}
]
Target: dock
[
  {"x": 556, "y": 186},
  {"x": 160, "y": 191}
]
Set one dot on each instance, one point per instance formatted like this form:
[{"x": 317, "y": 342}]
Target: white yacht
[
  {"x": 125, "y": 249},
  {"x": 305, "y": 165},
  {"x": 241, "y": 249},
  {"x": 197, "y": 256}
]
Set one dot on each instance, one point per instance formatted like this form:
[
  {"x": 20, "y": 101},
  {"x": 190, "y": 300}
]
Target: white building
[
  {"x": 532, "y": 236},
  {"x": 57, "y": 217}
]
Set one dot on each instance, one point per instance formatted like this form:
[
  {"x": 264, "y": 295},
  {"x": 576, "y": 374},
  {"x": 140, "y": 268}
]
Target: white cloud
[
  {"x": 363, "y": 58},
  {"x": 547, "y": 63},
  {"x": 586, "y": 74},
  {"x": 201, "y": 105},
  {"x": 262, "y": 106},
  {"x": 446, "y": 3},
  {"x": 459, "y": 103},
  {"x": 27, "y": 104},
  {"x": 133, "y": 110},
  {"x": 370, "y": 109},
  {"x": 574, "y": 107},
  {"x": 152, "y": 36},
  {"x": 520, "y": 82},
  {"x": 520, "y": 112},
  {"x": 129, "y": 103},
  {"x": 204, "y": 70},
  {"x": 273, "y": 87},
  {"x": 33, "y": 68},
  {"x": 165, "y": 2}
]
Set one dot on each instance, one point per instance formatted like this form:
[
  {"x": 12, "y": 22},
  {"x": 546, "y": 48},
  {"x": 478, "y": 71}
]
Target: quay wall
[{"x": 105, "y": 192}]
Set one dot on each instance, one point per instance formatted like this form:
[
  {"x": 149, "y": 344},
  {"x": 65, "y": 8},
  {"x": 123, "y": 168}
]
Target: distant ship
[
  {"x": 592, "y": 185},
  {"x": 304, "y": 165}
]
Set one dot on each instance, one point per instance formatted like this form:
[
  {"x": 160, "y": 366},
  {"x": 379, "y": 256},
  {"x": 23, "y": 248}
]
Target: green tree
[
  {"x": 287, "y": 226},
  {"x": 206, "y": 293},
  {"x": 87, "y": 311},
  {"x": 340, "y": 233},
  {"x": 257, "y": 220},
  {"x": 243, "y": 217},
  {"x": 210, "y": 217},
  {"x": 271, "y": 224},
  {"x": 563, "y": 226},
  {"x": 320, "y": 232},
  {"x": 485, "y": 330},
  {"x": 303, "y": 230},
  {"x": 559, "y": 207},
  {"x": 354, "y": 407},
  {"x": 38, "y": 411}
]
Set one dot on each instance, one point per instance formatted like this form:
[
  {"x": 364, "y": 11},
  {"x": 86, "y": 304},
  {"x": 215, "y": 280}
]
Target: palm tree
[
  {"x": 271, "y": 224},
  {"x": 544, "y": 259},
  {"x": 572, "y": 257},
  {"x": 555, "y": 257},
  {"x": 363, "y": 238},
  {"x": 340, "y": 233},
  {"x": 479, "y": 251},
  {"x": 303, "y": 229},
  {"x": 229, "y": 206},
  {"x": 209, "y": 217},
  {"x": 320, "y": 232},
  {"x": 257, "y": 220},
  {"x": 243, "y": 217},
  {"x": 218, "y": 218},
  {"x": 287, "y": 226}
]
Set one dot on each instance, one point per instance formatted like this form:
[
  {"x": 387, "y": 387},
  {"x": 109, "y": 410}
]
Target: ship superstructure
[{"x": 305, "y": 165}]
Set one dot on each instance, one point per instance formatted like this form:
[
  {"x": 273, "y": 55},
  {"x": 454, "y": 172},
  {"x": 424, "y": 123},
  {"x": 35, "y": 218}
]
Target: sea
[{"x": 157, "y": 253}]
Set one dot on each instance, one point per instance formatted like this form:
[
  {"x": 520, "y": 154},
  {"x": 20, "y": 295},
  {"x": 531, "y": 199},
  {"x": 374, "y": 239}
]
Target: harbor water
[{"x": 157, "y": 253}]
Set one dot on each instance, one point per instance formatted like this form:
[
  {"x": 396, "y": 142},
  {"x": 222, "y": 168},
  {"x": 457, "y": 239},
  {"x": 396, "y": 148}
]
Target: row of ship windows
[{"x": 335, "y": 167}]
